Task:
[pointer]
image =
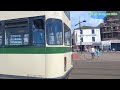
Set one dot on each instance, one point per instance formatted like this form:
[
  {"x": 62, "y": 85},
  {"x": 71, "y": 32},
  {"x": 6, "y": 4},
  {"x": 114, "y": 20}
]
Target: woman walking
[{"x": 97, "y": 52}]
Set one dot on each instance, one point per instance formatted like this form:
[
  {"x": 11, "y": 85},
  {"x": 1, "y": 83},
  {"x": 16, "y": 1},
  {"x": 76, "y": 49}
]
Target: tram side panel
[
  {"x": 32, "y": 65},
  {"x": 68, "y": 62},
  {"x": 54, "y": 65}
]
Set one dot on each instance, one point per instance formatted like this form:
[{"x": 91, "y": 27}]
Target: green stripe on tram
[{"x": 29, "y": 50}]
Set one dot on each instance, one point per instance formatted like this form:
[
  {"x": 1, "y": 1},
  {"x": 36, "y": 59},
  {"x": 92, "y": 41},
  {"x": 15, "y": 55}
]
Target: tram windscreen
[
  {"x": 67, "y": 35},
  {"x": 16, "y": 33},
  {"x": 54, "y": 32}
]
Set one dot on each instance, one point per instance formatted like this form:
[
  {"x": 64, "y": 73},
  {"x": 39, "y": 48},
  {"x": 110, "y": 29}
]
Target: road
[{"x": 107, "y": 67}]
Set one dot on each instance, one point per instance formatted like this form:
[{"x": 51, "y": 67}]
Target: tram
[{"x": 35, "y": 44}]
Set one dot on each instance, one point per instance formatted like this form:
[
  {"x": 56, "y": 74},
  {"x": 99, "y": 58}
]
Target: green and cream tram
[{"x": 35, "y": 44}]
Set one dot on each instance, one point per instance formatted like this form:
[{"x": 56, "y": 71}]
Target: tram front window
[
  {"x": 67, "y": 35},
  {"x": 54, "y": 32},
  {"x": 16, "y": 33},
  {"x": 38, "y": 32}
]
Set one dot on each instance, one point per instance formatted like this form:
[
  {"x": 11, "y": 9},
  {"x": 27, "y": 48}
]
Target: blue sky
[{"x": 84, "y": 15}]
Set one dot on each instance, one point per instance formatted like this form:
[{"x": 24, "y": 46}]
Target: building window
[
  {"x": 81, "y": 31},
  {"x": 93, "y": 39},
  {"x": 93, "y": 31}
]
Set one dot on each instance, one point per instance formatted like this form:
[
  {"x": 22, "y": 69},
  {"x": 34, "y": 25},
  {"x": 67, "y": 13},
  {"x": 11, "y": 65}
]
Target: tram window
[
  {"x": 38, "y": 32},
  {"x": 67, "y": 35},
  {"x": 16, "y": 36},
  {"x": 16, "y": 23},
  {"x": 54, "y": 32},
  {"x": 1, "y": 34},
  {"x": 38, "y": 23}
]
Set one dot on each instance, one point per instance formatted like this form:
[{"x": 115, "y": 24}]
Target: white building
[{"x": 88, "y": 37}]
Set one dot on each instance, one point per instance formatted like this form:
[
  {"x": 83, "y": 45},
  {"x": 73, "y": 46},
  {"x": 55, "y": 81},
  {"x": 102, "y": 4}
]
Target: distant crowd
[
  {"x": 77, "y": 49},
  {"x": 94, "y": 51}
]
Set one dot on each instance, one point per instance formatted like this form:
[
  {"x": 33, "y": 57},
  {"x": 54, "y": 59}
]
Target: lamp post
[{"x": 80, "y": 35}]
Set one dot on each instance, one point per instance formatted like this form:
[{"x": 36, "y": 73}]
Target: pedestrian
[
  {"x": 113, "y": 49},
  {"x": 109, "y": 50},
  {"x": 97, "y": 52},
  {"x": 92, "y": 52}
]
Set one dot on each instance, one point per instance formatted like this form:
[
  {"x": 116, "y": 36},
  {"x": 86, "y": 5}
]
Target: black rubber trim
[{"x": 65, "y": 76}]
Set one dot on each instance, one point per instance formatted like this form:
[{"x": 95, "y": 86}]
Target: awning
[{"x": 96, "y": 43}]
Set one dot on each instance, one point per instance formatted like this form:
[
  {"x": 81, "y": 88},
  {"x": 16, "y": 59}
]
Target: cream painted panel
[
  {"x": 53, "y": 14},
  {"x": 55, "y": 64},
  {"x": 68, "y": 57},
  {"x": 22, "y": 64},
  {"x": 19, "y": 14}
]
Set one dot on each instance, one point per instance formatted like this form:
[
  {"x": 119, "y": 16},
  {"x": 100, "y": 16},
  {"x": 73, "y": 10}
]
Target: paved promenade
[
  {"x": 105, "y": 56},
  {"x": 106, "y": 67}
]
